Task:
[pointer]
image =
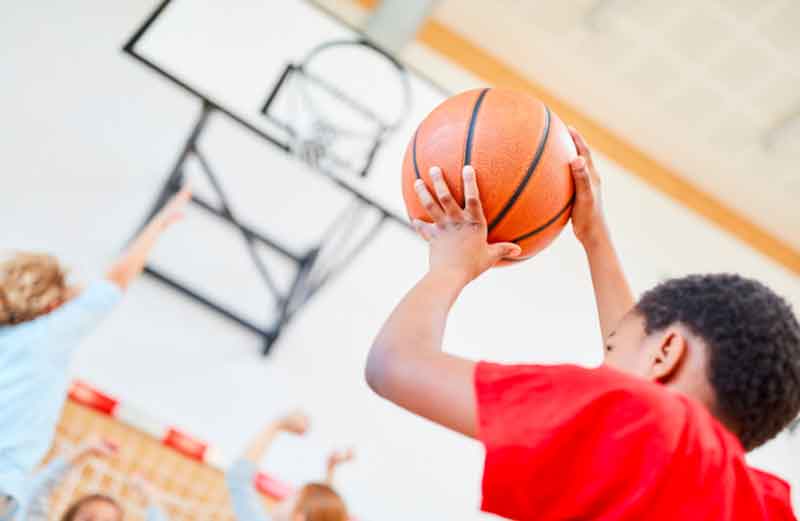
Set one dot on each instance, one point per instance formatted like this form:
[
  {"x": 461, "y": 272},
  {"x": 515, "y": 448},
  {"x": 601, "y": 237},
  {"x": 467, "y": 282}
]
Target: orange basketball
[{"x": 520, "y": 151}]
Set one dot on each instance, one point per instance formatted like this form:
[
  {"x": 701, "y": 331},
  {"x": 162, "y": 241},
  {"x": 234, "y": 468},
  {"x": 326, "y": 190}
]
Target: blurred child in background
[
  {"x": 313, "y": 502},
  {"x": 42, "y": 321},
  {"x": 92, "y": 507}
]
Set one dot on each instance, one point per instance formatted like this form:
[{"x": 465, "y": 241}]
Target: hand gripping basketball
[{"x": 458, "y": 236}]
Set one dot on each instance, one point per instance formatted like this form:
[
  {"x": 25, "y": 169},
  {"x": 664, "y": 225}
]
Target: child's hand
[
  {"x": 174, "y": 209},
  {"x": 338, "y": 457},
  {"x": 296, "y": 422},
  {"x": 588, "y": 221},
  {"x": 457, "y": 235}
]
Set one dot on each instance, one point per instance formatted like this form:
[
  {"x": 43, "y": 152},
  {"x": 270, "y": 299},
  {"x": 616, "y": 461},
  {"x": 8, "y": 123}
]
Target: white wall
[{"x": 88, "y": 136}]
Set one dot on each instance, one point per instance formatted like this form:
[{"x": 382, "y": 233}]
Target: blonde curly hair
[{"x": 31, "y": 284}]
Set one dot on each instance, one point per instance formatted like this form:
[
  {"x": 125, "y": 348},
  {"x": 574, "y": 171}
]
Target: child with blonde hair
[{"x": 42, "y": 321}]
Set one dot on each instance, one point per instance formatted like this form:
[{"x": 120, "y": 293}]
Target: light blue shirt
[
  {"x": 44, "y": 484},
  {"x": 34, "y": 357},
  {"x": 247, "y": 504}
]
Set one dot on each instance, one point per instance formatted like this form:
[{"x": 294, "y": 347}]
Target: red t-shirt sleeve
[{"x": 564, "y": 442}]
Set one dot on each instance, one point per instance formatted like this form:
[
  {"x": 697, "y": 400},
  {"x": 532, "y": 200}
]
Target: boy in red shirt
[{"x": 697, "y": 372}]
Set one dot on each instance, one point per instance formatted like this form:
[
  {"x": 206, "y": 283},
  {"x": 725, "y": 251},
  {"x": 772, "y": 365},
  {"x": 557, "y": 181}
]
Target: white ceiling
[{"x": 711, "y": 87}]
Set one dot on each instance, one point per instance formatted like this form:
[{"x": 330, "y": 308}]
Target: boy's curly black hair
[{"x": 754, "y": 342}]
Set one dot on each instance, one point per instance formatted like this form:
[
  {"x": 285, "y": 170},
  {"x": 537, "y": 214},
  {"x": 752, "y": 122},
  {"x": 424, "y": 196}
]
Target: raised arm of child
[
  {"x": 336, "y": 458},
  {"x": 132, "y": 262},
  {"x": 247, "y": 504},
  {"x": 406, "y": 364},
  {"x": 612, "y": 292}
]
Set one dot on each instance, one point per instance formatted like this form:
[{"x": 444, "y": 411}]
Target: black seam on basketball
[
  {"x": 471, "y": 131},
  {"x": 548, "y": 223},
  {"x": 414, "y": 154},
  {"x": 528, "y": 175}
]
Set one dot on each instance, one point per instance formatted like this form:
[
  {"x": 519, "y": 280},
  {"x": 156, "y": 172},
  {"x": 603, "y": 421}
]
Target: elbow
[{"x": 377, "y": 369}]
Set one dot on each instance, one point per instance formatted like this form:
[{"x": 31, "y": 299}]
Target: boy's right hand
[
  {"x": 458, "y": 236},
  {"x": 588, "y": 220},
  {"x": 296, "y": 422}
]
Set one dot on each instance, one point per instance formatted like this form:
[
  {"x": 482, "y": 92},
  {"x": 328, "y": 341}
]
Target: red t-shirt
[{"x": 568, "y": 443}]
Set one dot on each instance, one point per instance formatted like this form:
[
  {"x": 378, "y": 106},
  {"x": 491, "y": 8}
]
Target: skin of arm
[
  {"x": 132, "y": 262},
  {"x": 406, "y": 364},
  {"x": 295, "y": 423},
  {"x": 334, "y": 460},
  {"x": 613, "y": 294},
  {"x": 239, "y": 478}
]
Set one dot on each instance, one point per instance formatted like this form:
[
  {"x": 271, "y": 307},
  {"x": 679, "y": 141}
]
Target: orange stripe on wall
[{"x": 465, "y": 53}]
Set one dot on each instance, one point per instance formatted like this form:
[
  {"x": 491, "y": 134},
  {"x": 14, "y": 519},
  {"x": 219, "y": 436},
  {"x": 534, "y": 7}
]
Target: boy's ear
[{"x": 670, "y": 351}]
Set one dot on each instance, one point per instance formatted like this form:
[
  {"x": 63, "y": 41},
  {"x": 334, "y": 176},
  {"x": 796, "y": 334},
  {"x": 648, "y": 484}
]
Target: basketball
[{"x": 521, "y": 152}]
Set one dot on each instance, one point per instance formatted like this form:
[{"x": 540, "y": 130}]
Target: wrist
[
  {"x": 448, "y": 278},
  {"x": 598, "y": 239}
]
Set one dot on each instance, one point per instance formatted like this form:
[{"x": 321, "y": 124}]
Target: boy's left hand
[
  {"x": 588, "y": 219},
  {"x": 458, "y": 236}
]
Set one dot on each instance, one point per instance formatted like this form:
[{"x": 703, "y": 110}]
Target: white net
[{"x": 342, "y": 100}]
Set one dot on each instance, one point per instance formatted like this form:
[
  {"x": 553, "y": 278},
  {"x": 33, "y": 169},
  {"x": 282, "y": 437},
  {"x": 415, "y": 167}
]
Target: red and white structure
[{"x": 187, "y": 445}]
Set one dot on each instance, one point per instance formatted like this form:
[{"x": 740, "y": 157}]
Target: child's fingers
[
  {"x": 502, "y": 250},
  {"x": 582, "y": 146},
  {"x": 184, "y": 194},
  {"x": 435, "y": 211},
  {"x": 580, "y": 173},
  {"x": 443, "y": 194},
  {"x": 472, "y": 199}
]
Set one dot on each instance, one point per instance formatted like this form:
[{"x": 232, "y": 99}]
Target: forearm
[
  {"x": 132, "y": 262},
  {"x": 406, "y": 364},
  {"x": 260, "y": 445},
  {"x": 612, "y": 292},
  {"x": 414, "y": 329},
  {"x": 330, "y": 473}
]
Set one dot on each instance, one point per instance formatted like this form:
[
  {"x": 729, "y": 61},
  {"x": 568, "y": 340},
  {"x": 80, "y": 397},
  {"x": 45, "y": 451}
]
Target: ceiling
[{"x": 710, "y": 88}]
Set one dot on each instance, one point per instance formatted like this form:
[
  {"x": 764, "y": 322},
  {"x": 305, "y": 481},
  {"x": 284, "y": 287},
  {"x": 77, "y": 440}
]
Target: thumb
[
  {"x": 502, "y": 250},
  {"x": 580, "y": 173}
]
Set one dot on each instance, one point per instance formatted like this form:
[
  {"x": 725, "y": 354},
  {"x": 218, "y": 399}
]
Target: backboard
[{"x": 253, "y": 153}]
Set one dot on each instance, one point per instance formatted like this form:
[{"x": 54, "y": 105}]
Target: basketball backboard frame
[{"x": 307, "y": 280}]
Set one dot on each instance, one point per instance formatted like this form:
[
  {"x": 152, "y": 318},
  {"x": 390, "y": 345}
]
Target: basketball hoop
[{"x": 339, "y": 104}]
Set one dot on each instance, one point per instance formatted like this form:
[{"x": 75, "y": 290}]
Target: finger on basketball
[
  {"x": 446, "y": 199},
  {"x": 503, "y": 250},
  {"x": 580, "y": 173},
  {"x": 472, "y": 199},
  {"x": 583, "y": 148},
  {"x": 427, "y": 201}
]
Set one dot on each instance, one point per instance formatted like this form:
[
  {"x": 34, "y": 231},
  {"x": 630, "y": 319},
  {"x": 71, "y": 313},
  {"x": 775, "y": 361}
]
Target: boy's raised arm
[
  {"x": 612, "y": 292},
  {"x": 406, "y": 364}
]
